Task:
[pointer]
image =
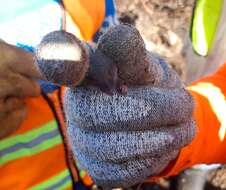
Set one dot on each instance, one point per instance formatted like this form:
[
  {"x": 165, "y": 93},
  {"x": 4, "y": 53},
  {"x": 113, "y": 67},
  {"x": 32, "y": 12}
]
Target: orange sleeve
[
  {"x": 87, "y": 15},
  {"x": 209, "y": 144}
]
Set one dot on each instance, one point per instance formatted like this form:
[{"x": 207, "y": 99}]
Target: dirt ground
[{"x": 164, "y": 25}]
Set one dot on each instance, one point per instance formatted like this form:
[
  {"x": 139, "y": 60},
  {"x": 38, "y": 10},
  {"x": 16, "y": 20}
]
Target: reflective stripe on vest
[
  {"x": 33, "y": 142},
  {"x": 30, "y": 143},
  {"x": 60, "y": 181},
  {"x": 206, "y": 16},
  {"x": 34, "y": 156}
]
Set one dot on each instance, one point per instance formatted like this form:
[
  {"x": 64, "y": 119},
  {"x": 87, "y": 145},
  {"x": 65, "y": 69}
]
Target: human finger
[
  {"x": 10, "y": 104},
  {"x": 19, "y": 60},
  {"x": 19, "y": 86},
  {"x": 161, "y": 74},
  {"x": 12, "y": 121}
]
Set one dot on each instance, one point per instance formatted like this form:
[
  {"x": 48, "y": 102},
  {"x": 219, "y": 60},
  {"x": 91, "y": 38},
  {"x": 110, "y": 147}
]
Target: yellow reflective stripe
[
  {"x": 29, "y": 136},
  {"x": 82, "y": 173},
  {"x": 60, "y": 181},
  {"x": 65, "y": 186},
  {"x": 205, "y": 20},
  {"x": 31, "y": 151}
]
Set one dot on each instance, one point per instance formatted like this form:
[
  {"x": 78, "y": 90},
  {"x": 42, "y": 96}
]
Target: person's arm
[
  {"x": 16, "y": 83},
  {"x": 209, "y": 144}
]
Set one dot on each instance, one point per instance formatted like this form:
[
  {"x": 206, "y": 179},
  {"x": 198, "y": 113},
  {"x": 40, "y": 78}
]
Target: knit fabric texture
[{"x": 122, "y": 140}]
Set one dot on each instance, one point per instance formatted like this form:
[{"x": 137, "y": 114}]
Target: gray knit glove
[{"x": 122, "y": 140}]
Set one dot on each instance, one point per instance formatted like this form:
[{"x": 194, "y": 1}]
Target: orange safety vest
[
  {"x": 34, "y": 156},
  {"x": 37, "y": 155}
]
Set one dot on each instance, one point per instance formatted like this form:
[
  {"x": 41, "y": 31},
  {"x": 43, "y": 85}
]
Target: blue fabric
[
  {"x": 48, "y": 87},
  {"x": 110, "y": 19},
  {"x": 110, "y": 8},
  {"x": 25, "y": 47},
  {"x": 80, "y": 186}
]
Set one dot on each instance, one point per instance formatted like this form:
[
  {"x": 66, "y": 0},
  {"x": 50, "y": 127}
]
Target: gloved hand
[
  {"x": 64, "y": 60},
  {"x": 122, "y": 140},
  {"x": 16, "y": 70}
]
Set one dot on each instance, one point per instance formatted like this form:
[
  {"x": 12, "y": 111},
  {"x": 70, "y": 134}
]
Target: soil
[
  {"x": 164, "y": 24},
  {"x": 217, "y": 179}
]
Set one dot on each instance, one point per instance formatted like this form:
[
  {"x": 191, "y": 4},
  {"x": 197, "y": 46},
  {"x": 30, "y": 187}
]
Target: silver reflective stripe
[
  {"x": 30, "y": 144},
  {"x": 60, "y": 183}
]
